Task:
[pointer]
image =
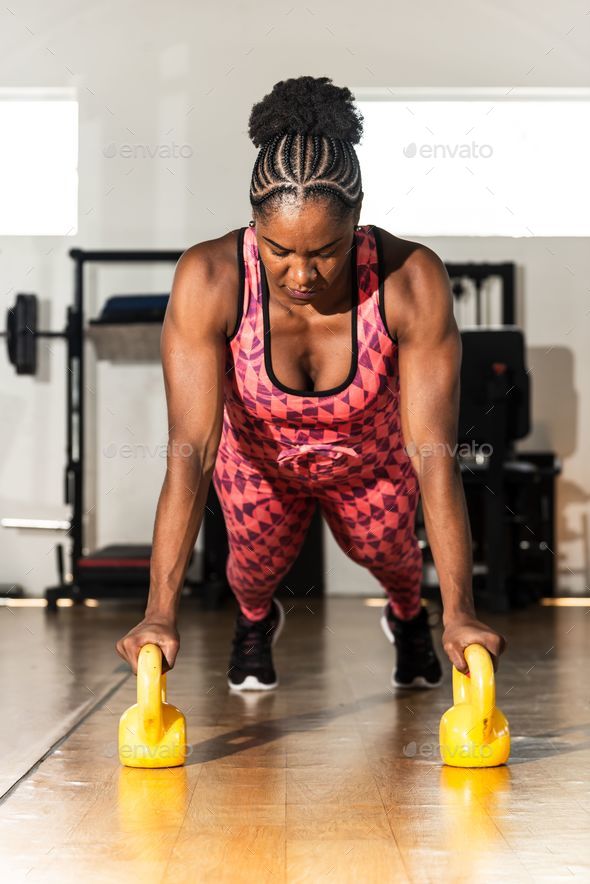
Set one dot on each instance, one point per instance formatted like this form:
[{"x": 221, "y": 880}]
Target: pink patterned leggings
[{"x": 372, "y": 520}]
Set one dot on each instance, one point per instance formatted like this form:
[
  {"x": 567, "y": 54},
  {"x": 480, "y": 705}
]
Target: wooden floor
[{"x": 332, "y": 777}]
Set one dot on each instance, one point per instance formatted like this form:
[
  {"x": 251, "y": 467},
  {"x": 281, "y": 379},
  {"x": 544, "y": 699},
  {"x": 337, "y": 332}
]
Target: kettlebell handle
[
  {"x": 151, "y": 691},
  {"x": 478, "y": 689}
]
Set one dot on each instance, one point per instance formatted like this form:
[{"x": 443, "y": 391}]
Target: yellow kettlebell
[
  {"x": 152, "y": 733},
  {"x": 474, "y": 732}
]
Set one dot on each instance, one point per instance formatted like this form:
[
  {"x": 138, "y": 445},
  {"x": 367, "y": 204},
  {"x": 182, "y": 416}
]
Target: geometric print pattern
[{"x": 282, "y": 450}]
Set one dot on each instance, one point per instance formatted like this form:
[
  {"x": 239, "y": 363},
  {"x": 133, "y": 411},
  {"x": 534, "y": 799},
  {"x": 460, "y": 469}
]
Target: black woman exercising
[{"x": 307, "y": 359}]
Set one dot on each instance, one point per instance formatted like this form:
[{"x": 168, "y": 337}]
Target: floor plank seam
[{"x": 109, "y": 693}]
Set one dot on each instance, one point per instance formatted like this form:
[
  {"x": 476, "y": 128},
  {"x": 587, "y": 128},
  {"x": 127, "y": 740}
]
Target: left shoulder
[{"x": 416, "y": 286}]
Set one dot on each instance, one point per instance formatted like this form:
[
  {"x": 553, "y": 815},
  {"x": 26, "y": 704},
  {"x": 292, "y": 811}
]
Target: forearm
[
  {"x": 178, "y": 519},
  {"x": 447, "y": 527}
]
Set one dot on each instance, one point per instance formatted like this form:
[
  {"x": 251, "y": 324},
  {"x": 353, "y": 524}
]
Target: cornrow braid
[{"x": 306, "y": 129}]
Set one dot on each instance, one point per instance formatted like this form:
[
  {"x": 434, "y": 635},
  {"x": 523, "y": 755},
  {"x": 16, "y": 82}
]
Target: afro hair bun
[{"x": 309, "y": 105}]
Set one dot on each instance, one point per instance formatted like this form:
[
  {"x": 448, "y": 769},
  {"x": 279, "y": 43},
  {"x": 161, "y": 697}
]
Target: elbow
[
  {"x": 209, "y": 459},
  {"x": 205, "y": 453},
  {"x": 430, "y": 467},
  {"x": 189, "y": 455}
]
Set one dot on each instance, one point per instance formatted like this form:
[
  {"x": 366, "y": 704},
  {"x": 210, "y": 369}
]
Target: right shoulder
[{"x": 209, "y": 273}]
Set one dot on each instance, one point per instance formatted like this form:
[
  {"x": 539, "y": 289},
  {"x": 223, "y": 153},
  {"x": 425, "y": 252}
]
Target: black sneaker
[
  {"x": 417, "y": 665},
  {"x": 250, "y": 666}
]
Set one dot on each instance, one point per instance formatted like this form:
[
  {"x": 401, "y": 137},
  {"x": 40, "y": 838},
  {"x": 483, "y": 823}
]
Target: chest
[
  {"x": 336, "y": 376},
  {"x": 311, "y": 356}
]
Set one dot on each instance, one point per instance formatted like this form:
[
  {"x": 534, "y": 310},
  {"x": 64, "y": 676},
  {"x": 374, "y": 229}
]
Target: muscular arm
[
  {"x": 193, "y": 353},
  {"x": 192, "y": 349},
  {"x": 429, "y": 366}
]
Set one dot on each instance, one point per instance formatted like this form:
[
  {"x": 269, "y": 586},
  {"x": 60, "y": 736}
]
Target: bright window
[
  {"x": 476, "y": 162},
  {"x": 38, "y": 162}
]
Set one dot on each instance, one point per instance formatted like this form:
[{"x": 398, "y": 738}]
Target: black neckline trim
[
  {"x": 241, "y": 283},
  {"x": 354, "y": 322}
]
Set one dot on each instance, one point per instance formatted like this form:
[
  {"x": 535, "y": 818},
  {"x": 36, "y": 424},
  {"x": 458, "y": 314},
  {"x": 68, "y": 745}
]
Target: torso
[
  {"x": 349, "y": 423},
  {"x": 313, "y": 353}
]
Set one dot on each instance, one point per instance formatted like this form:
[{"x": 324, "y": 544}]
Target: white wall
[{"x": 184, "y": 73}]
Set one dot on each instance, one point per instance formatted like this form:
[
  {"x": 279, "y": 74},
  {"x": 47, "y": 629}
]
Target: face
[{"x": 305, "y": 251}]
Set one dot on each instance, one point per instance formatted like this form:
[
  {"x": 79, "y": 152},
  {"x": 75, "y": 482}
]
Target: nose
[{"x": 303, "y": 277}]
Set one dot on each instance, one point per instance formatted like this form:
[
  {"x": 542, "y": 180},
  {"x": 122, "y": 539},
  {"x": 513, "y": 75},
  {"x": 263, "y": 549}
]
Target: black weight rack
[{"x": 118, "y": 570}]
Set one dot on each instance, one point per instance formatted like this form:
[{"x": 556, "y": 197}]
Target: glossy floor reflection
[{"x": 333, "y": 777}]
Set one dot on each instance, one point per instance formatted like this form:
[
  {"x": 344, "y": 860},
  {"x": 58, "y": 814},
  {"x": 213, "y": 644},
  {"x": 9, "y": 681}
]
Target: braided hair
[{"x": 305, "y": 129}]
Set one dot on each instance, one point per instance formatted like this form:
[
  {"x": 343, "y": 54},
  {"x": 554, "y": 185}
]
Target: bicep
[{"x": 192, "y": 348}]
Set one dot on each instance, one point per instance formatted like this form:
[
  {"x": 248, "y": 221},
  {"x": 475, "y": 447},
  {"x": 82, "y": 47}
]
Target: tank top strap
[
  {"x": 248, "y": 288},
  {"x": 367, "y": 263},
  {"x": 371, "y": 274},
  {"x": 252, "y": 270}
]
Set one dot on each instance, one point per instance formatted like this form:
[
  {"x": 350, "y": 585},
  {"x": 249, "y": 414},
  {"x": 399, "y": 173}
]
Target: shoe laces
[
  {"x": 252, "y": 638},
  {"x": 418, "y": 642},
  {"x": 415, "y": 635}
]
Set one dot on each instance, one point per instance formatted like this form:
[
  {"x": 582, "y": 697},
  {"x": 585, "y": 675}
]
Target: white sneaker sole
[
  {"x": 419, "y": 681},
  {"x": 251, "y": 683}
]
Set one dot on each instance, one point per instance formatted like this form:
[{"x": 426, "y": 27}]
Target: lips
[{"x": 298, "y": 293}]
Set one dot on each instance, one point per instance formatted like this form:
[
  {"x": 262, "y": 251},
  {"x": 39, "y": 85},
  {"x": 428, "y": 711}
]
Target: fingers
[
  {"x": 169, "y": 652},
  {"x": 123, "y": 652},
  {"x": 458, "y": 659},
  {"x": 454, "y": 652},
  {"x": 129, "y": 651},
  {"x": 130, "y": 645},
  {"x": 494, "y": 643}
]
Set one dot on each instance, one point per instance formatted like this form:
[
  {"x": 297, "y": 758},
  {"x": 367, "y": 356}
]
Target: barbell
[{"x": 22, "y": 334}]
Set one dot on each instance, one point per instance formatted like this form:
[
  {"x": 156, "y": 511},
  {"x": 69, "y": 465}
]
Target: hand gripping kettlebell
[
  {"x": 152, "y": 732},
  {"x": 474, "y": 732}
]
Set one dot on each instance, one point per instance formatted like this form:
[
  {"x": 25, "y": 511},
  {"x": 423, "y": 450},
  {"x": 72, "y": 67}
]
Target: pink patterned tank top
[{"x": 352, "y": 430}]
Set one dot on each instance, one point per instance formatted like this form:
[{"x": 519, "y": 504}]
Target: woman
[{"x": 294, "y": 374}]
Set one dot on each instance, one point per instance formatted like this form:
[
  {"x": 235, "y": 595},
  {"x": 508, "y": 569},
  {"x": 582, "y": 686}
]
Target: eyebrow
[{"x": 284, "y": 249}]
